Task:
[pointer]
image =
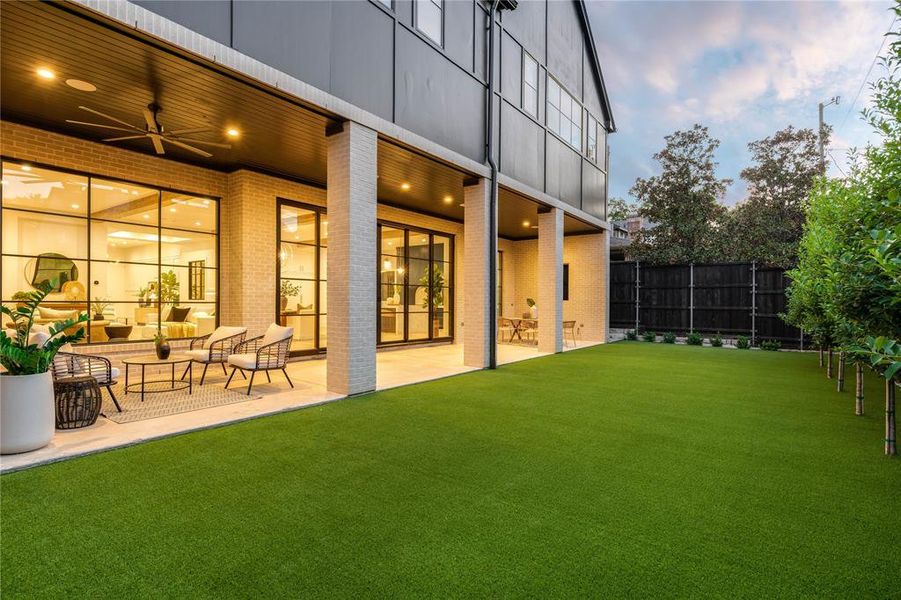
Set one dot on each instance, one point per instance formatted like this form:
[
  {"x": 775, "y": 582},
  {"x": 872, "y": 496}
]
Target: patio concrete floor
[{"x": 395, "y": 368}]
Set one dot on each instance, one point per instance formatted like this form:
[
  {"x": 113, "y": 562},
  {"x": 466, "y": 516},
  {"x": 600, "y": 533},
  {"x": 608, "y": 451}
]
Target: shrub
[
  {"x": 716, "y": 341},
  {"x": 742, "y": 342},
  {"x": 649, "y": 336},
  {"x": 771, "y": 345},
  {"x": 694, "y": 339},
  {"x": 669, "y": 337},
  {"x": 631, "y": 335}
]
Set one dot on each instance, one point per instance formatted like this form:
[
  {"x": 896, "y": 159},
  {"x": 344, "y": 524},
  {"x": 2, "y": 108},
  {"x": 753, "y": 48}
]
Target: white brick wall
[
  {"x": 476, "y": 269},
  {"x": 352, "y": 260},
  {"x": 550, "y": 276}
]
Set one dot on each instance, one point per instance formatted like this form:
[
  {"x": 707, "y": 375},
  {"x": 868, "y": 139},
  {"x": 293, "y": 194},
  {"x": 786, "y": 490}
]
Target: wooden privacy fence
[{"x": 727, "y": 298}]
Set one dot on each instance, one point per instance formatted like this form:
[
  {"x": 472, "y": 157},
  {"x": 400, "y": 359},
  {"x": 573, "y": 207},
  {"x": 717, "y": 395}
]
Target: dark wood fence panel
[{"x": 727, "y": 298}]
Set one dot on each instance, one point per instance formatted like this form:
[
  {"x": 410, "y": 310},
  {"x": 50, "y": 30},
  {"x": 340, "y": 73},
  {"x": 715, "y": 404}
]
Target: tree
[
  {"x": 683, "y": 201},
  {"x": 619, "y": 210},
  {"x": 768, "y": 225}
]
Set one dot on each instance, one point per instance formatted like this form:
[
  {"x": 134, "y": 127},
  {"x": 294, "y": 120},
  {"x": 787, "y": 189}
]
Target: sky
[{"x": 743, "y": 69}]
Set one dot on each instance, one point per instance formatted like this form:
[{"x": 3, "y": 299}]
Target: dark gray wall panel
[
  {"x": 458, "y": 32},
  {"x": 564, "y": 179},
  {"x": 481, "y": 42},
  {"x": 522, "y": 147},
  {"x": 592, "y": 93},
  {"x": 565, "y": 36},
  {"x": 404, "y": 10},
  {"x": 436, "y": 99},
  {"x": 511, "y": 70},
  {"x": 526, "y": 24},
  {"x": 211, "y": 18},
  {"x": 361, "y": 72},
  {"x": 594, "y": 190},
  {"x": 290, "y": 36}
]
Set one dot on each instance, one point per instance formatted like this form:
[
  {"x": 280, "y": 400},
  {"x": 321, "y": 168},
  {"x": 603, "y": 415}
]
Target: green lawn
[{"x": 624, "y": 470}]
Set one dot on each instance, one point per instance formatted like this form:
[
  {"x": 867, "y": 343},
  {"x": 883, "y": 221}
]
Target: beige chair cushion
[
  {"x": 247, "y": 360},
  {"x": 221, "y": 333},
  {"x": 199, "y": 354},
  {"x": 97, "y": 370},
  {"x": 276, "y": 333}
]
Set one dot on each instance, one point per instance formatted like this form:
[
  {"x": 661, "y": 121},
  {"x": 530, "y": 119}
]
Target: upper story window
[
  {"x": 386, "y": 3},
  {"x": 564, "y": 114},
  {"x": 530, "y": 85},
  {"x": 429, "y": 14},
  {"x": 591, "y": 139}
]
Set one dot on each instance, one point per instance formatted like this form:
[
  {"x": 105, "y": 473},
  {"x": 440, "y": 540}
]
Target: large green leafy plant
[{"x": 17, "y": 354}]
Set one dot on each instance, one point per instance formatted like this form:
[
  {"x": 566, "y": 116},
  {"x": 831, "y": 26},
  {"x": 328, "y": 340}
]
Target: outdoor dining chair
[{"x": 265, "y": 353}]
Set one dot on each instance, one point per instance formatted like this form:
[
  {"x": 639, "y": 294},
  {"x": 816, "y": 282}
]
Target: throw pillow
[{"x": 178, "y": 314}]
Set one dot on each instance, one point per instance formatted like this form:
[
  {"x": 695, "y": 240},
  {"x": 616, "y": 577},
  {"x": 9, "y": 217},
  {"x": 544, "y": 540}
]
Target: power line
[
  {"x": 866, "y": 77},
  {"x": 835, "y": 162}
]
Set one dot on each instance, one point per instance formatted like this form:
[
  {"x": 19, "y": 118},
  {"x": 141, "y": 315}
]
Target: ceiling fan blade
[
  {"x": 106, "y": 116},
  {"x": 124, "y": 137},
  {"x": 131, "y": 130},
  {"x": 191, "y": 148},
  {"x": 151, "y": 121},
  {"x": 157, "y": 144},
  {"x": 188, "y": 131},
  {"x": 202, "y": 142}
]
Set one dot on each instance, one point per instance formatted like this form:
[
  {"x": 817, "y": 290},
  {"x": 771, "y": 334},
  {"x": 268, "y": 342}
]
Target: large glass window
[
  {"x": 302, "y": 260},
  {"x": 530, "y": 85},
  {"x": 591, "y": 139},
  {"x": 416, "y": 274},
  {"x": 564, "y": 114},
  {"x": 429, "y": 14},
  {"x": 137, "y": 259}
]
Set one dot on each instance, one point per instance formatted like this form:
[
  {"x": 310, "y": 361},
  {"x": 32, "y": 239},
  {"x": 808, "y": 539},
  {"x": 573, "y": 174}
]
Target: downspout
[{"x": 492, "y": 201}]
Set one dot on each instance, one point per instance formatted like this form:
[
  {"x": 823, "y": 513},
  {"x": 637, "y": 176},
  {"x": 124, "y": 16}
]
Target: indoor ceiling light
[
  {"x": 405, "y": 187},
  {"x": 448, "y": 199},
  {"x": 526, "y": 224},
  {"x": 81, "y": 86},
  {"x": 146, "y": 216},
  {"x": 75, "y": 206},
  {"x": 146, "y": 237},
  {"x": 45, "y": 73},
  {"x": 232, "y": 133},
  {"x": 26, "y": 168},
  {"x": 197, "y": 223},
  {"x": 172, "y": 209}
]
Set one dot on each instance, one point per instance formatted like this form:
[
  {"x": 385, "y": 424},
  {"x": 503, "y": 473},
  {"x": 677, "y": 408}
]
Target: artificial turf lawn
[{"x": 632, "y": 469}]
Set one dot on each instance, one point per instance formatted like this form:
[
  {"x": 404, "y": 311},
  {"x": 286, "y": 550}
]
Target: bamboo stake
[
  {"x": 821, "y": 357},
  {"x": 829, "y": 364},
  {"x": 840, "y": 386},
  {"x": 890, "y": 448},
  {"x": 858, "y": 395}
]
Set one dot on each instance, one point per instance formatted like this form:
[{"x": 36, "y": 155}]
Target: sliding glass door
[
  {"x": 301, "y": 274},
  {"x": 416, "y": 277}
]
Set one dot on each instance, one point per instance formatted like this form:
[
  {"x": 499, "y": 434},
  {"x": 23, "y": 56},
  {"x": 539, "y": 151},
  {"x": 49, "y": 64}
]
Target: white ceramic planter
[{"x": 27, "y": 413}]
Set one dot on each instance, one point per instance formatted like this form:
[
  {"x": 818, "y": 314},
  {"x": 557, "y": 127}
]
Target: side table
[{"x": 78, "y": 401}]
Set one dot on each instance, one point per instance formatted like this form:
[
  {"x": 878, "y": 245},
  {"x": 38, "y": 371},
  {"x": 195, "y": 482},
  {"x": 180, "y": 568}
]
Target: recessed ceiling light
[
  {"x": 45, "y": 73},
  {"x": 232, "y": 133},
  {"x": 26, "y": 168},
  {"x": 81, "y": 86},
  {"x": 75, "y": 206},
  {"x": 448, "y": 199},
  {"x": 405, "y": 187},
  {"x": 197, "y": 223},
  {"x": 206, "y": 201},
  {"x": 526, "y": 224},
  {"x": 146, "y": 216},
  {"x": 172, "y": 209}
]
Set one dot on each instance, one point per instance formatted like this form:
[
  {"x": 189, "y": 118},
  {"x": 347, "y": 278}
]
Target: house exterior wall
[{"x": 375, "y": 58}]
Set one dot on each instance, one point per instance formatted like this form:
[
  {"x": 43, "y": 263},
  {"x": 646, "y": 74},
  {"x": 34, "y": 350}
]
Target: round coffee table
[{"x": 151, "y": 360}]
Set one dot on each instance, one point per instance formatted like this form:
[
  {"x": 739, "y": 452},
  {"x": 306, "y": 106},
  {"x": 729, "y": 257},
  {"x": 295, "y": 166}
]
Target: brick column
[
  {"x": 351, "y": 198},
  {"x": 594, "y": 249},
  {"x": 477, "y": 336},
  {"x": 550, "y": 281}
]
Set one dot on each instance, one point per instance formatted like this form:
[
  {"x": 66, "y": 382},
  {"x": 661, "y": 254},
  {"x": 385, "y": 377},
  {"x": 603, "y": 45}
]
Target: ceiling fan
[{"x": 153, "y": 130}]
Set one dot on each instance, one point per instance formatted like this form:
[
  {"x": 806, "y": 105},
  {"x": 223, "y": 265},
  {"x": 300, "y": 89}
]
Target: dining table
[{"x": 519, "y": 325}]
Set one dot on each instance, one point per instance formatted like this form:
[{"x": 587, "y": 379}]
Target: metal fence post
[
  {"x": 637, "y": 290},
  {"x": 753, "y": 303},
  {"x": 691, "y": 297}
]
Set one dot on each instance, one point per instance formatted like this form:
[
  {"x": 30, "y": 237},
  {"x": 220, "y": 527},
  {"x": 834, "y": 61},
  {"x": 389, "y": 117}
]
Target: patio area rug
[{"x": 160, "y": 404}]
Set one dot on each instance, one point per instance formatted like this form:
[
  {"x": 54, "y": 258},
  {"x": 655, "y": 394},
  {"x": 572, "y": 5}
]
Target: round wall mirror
[{"x": 51, "y": 267}]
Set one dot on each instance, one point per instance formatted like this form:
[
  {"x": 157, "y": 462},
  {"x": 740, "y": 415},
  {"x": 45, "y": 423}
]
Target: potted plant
[
  {"x": 533, "y": 308},
  {"x": 27, "y": 414},
  {"x": 99, "y": 305},
  {"x": 169, "y": 293},
  {"x": 433, "y": 281},
  {"x": 142, "y": 292},
  {"x": 288, "y": 288},
  {"x": 161, "y": 345}
]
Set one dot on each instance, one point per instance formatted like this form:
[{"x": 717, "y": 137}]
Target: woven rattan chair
[
  {"x": 264, "y": 353},
  {"x": 68, "y": 364},
  {"x": 215, "y": 348}
]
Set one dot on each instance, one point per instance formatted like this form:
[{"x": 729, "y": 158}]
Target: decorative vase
[
  {"x": 98, "y": 316},
  {"x": 284, "y": 303},
  {"x": 27, "y": 412},
  {"x": 163, "y": 350}
]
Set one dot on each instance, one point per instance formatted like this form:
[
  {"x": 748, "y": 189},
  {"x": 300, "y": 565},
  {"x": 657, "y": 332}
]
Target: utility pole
[{"x": 821, "y": 106}]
